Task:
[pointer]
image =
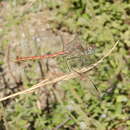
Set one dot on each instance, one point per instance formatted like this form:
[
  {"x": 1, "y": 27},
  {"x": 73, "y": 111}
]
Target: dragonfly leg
[
  {"x": 67, "y": 60},
  {"x": 67, "y": 63}
]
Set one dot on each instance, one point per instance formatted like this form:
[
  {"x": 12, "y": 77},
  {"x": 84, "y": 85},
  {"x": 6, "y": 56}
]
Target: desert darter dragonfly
[{"x": 76, "y": 55}]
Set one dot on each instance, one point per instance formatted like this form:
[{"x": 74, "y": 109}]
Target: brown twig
[
  {"x": 8, "y": 64},
  {"x": 61, "y": 78}
]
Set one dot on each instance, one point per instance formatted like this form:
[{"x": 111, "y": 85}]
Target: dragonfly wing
[
  {"x": 73, "y": 46},
  {"x": 88, "y": 84}
]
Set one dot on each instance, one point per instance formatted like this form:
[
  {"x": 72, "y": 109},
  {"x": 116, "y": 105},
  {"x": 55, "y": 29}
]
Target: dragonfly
[
  {"x": 75, "y": 53},
  {"x": 72, "y": 50}
]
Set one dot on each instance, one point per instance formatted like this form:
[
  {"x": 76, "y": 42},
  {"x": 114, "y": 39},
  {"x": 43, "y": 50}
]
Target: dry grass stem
[{"x": 61, "y": 78}]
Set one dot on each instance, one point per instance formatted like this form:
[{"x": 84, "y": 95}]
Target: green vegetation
[{"x": 70, "y": 104}]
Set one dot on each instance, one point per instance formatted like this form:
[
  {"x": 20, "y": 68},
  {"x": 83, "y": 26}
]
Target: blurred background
[{"x": 35, "y": 27}]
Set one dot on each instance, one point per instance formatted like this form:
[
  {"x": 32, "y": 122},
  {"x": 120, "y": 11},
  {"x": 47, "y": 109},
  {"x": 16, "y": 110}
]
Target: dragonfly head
[{"x": 90, "y": 50}]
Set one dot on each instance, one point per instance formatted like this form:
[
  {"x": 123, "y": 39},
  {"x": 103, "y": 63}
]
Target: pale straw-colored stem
[{"x": 61, "y": 78}]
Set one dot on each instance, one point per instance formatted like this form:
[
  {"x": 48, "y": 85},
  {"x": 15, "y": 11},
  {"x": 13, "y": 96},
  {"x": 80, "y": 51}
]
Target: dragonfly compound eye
[{"x": 90, "y": 50}]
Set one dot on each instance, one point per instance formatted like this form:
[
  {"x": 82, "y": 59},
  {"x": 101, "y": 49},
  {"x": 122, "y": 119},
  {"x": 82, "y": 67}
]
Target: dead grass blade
[{"x": 61, "y": 78}]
